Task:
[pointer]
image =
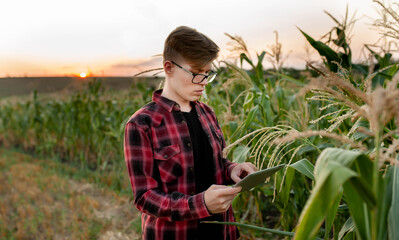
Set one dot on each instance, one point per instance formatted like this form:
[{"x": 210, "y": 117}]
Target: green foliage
[
  {"x": 341, "y": 57},
  {"x": 393, "y": 211},
  {"x": 270, "y": 123},
  {"x": 332, "y": 58},
  {"x": 305, "y": 167},
  {"x": 85, "y": 129},
  {"x": 332, "y": 171},
  {"x": 283, "y": 233}
]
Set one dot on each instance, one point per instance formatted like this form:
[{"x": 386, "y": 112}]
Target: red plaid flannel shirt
[{"x": 160, "y": 163}]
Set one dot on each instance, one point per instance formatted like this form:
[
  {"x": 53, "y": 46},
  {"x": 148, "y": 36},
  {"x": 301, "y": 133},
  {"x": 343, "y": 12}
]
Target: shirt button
[
  {"x": 188, "y": 144},
  {"x": 192, "y": 193},
  {"x": 191, "y": 169},
  {"x": 165, "y": 156}
]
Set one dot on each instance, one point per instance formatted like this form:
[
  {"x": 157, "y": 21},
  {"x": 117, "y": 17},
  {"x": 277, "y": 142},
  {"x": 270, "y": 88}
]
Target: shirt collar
[{"x": 166, "y": 103}]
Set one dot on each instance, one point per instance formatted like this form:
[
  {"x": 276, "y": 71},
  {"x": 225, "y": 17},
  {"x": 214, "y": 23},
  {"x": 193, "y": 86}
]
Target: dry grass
[
  {"x": 275, "y": 54},
  {"x": 377, "y": 106},
  {"x": 237, "y": 46},
  {"x": 389, "y": 21},
  {"x": 36, "y": 203}
]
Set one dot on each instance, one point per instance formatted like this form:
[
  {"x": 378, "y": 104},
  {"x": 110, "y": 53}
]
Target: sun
[{"x": 83, "y": 75}]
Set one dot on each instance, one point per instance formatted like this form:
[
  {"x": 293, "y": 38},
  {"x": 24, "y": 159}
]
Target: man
[{"x": 173, "y": 149}]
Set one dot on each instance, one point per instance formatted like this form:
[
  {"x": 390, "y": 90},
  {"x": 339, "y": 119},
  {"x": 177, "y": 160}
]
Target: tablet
[{"x": 257, "y": 178}]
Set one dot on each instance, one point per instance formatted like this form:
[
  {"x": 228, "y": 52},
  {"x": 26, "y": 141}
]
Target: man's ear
[{"x": 168, "y": 67}]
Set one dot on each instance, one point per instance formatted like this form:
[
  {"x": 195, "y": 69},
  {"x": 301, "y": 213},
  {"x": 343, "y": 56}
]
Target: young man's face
[{"x": 181, "y": 83}]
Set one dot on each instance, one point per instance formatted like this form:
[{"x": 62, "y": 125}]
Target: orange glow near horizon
[{"x": 83, "y": 75}]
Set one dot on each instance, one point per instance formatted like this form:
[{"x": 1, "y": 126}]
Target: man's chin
[{"x": 195, "y": 98}]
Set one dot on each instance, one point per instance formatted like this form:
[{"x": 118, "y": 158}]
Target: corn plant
[
  {"x": 304, "y": 136},
  {"x": 362, "y": 178},
  {"x": 365, "y": 174},
  {"x": 84, "y": 129},
  {"x": 251, "y": 104}
]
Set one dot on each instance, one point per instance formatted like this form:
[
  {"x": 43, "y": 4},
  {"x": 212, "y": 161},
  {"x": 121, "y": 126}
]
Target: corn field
[{"x": 334, "y": 125}]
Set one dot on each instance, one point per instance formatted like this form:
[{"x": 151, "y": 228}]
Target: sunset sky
[{"x": 120, "y": 38}]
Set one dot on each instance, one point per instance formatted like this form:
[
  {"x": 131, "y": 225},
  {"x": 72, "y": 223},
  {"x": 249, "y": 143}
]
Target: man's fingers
[
  {"x": 235, "y": 178},
  {"x": 253, "y": 167},
  {"x": 249, "y": 168},
  {"x": 214, "y": 186},
  {"x": 222, "y": 190},
  {"x": 229, "y": 191},
  {"x": 218, "y": 198},
  {"x": 242, "y": 170}
]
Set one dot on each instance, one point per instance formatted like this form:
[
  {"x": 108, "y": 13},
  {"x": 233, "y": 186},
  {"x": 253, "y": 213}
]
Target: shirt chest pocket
[
  {"x": 168, "y": 160},
  {"x": 218, "y": 134}
]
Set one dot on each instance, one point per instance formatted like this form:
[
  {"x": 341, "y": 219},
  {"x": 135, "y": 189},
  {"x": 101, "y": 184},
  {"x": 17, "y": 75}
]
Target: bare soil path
[{"x": 38, "y": 203}]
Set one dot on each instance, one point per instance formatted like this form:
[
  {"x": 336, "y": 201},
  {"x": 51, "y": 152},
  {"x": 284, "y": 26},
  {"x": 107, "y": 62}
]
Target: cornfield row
[
  {"x": 86, "y": 129},
  {"x": 334, "y": 126}
]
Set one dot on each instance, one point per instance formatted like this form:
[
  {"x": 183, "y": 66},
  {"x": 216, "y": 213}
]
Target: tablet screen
[{"x": 257, "y": 178}]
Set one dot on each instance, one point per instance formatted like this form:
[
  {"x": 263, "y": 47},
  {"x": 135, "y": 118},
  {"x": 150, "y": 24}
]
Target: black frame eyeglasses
[{"x": 201, "y": 77}]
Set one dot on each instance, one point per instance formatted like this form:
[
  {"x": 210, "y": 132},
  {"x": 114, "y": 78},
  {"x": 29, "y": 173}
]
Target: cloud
[{"x": 154, "y": 62}]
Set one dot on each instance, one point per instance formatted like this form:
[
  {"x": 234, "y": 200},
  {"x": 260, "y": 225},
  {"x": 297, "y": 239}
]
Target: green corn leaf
[
  {"x": 346, "y": 228},
  {"x": 322, "y": 198},
  {"x": 350, "y": 236},
  {"x": 243, "y": 57},
  {"x": 325, "y": 51},
  {"x": 289, "y": 177},
  {"x": 283, "y": 233},
  {"x": 385, "y": 190},
  {"x": 251, "y": 116},
  {"x": 305, "y": 167},
  {"x": 249, "y": 100},
  {"x": 357, "y": 135},
  {"x": 259, "y": 70},
  {"x": 287, "y": 78},
  {"x": 332, "y": 211},
  {"x": 363, "y": 190},
  {"x": 307, "y": 149},
  {"x": 362, "y": 184},
  {"x": 393, "y": 215},
  {"x": 359, "y": 212},
  {"x": 268, "y": 110},
  {"x": 361, "y": 68},
  {"x": 240, "y": 154},
  {"x": 334, "y": 168},
  {"x": 384, "y": 201}
]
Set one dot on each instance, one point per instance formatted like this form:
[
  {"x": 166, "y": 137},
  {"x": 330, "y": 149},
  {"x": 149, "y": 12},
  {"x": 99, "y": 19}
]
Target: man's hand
[
  {"x": 218, "y": 198},
  {"x": 242, "y": 170}
]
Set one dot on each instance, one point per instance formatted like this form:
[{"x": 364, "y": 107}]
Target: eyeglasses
[{"x": 198, "y": 77}]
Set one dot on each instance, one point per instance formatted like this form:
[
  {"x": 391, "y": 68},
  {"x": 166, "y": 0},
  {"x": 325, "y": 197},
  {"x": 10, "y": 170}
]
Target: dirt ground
[{"x": 38, "y": 203}]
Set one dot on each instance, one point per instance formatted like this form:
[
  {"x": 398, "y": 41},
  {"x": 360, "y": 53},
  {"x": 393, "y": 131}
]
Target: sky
[{"x": 121, "y": 37}]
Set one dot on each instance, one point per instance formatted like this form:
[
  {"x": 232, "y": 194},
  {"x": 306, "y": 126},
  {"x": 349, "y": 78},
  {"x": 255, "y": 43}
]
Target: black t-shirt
[{"x": 204, "y": 171}]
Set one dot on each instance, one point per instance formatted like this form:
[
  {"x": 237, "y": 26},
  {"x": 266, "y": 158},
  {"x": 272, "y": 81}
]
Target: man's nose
[{"x": 204, "y": 82}]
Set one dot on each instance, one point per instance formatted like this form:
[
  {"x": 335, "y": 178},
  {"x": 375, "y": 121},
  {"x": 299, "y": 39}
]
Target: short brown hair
[{"x": 191, "y": 45}]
